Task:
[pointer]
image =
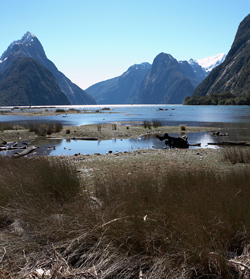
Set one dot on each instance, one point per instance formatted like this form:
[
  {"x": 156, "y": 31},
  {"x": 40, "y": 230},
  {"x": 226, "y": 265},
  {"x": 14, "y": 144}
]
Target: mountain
[
  {"x": 233, "y": 75},
  {"x": 25, "y": 82},
  {"x": 123, "y": 89},
  {"x": 190, "y": 73},
  {"x": 165, "y": 82},
  {"x": 209, "y": 63},
  {"x": 198, "y": 70},
  {"x": 30, "y": 46},
  {"x": 202, "y": 67}
]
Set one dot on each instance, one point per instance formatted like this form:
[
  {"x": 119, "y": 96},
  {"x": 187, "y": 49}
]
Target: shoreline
[{"x": 110, "y": 131}]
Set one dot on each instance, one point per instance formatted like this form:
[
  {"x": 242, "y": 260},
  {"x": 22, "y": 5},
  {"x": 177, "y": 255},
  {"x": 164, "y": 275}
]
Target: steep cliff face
[
  {"x": 165, "y": 83},
  {"x": 30, "y": 46},
  {"x": 233, "y": 74},
  {"x": 25, "y": 82}
]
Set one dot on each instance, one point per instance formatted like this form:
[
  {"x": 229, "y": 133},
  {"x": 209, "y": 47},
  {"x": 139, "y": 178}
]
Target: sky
[{"x": 95, "y": 40}]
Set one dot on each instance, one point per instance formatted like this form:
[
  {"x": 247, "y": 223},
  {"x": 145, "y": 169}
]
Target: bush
[
  {"x": 156, "y": 123},
  {"x": 61, "y": 110},
  {"x": 146, "y": 124},
  {"x": 43, "y": 129},
  {"x": 183, "y": 127}
]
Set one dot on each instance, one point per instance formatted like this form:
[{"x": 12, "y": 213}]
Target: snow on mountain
[
  {"x": 209, "y": 63},
  {"x": 144, "y": 65},
  {"x": 26, "y": 40}
]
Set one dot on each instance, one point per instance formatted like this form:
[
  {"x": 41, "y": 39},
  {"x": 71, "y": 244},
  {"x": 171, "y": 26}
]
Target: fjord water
[
  {"x": 234, "y": 120},
  {"x": 168, "y": 114}
]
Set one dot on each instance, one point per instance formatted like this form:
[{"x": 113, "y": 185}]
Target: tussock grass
[
  {"x": 61, "y": 110},
  {"x": 156, "y": 123},
  {"x": 147, "y": 124},
  {"x": 43, "y": 129},
  {"x": 236, "y": 155},
  {"x": 183, "y": 127},
  {"x": 161, "y": 224},
  {"x": 10, "y": 126},
  {"x": 99, "y": 127}
]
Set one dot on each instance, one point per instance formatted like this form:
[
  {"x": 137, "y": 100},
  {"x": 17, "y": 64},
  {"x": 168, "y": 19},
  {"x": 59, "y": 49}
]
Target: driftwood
[
  {"x": 241, "y": 143},
  {"x": 179, "y": 142},
  {"x": 84, "y": 138},
  {"x": 3, "y": 141},
  {"x": 76, "y": 138},
  {"x": 26, "y": 151}
]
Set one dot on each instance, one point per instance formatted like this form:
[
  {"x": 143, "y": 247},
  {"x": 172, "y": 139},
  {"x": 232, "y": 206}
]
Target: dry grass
[
  {"x": 142, "y": 219},
  {"x": 236, "y": 155},
  {"x": 43, "y": 129},
  {"x": 9, "y": 126}
]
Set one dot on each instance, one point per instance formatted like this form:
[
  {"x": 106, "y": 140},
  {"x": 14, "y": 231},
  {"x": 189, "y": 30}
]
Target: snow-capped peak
[
  {"x": 144, "y": 65},
  {"x": 26, "y": 40},
  {"x": 209, "y": 63}
]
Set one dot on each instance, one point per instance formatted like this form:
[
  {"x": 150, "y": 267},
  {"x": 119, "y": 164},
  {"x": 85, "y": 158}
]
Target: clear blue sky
[{"x": 94, "y": 40}]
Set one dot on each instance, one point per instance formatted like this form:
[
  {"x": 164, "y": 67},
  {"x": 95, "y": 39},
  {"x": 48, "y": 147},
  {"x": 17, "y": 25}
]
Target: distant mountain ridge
[
  {"x": 123, "y": 89},
  {"x": 126, "y": 89},
  {"x": 30, "y": 46}
]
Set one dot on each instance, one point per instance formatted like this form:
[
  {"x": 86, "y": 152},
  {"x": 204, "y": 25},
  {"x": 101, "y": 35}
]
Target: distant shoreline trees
[{"x": 225, "y": 98}]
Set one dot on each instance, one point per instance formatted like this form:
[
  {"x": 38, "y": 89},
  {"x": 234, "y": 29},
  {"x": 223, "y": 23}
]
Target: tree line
[{"x": 225, "y": 98}]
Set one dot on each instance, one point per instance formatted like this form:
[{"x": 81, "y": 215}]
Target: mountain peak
[
  {"x": 209, "y": 63},
  {"x": 27, "y": 38}
]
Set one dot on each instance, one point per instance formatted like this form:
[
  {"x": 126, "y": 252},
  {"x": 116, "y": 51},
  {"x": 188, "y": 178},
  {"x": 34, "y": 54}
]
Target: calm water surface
[{"x": 233, "y": 119}]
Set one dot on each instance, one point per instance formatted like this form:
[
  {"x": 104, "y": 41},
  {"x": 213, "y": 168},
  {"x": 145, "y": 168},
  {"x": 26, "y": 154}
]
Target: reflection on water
[{"x": 55, "y": 147}]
